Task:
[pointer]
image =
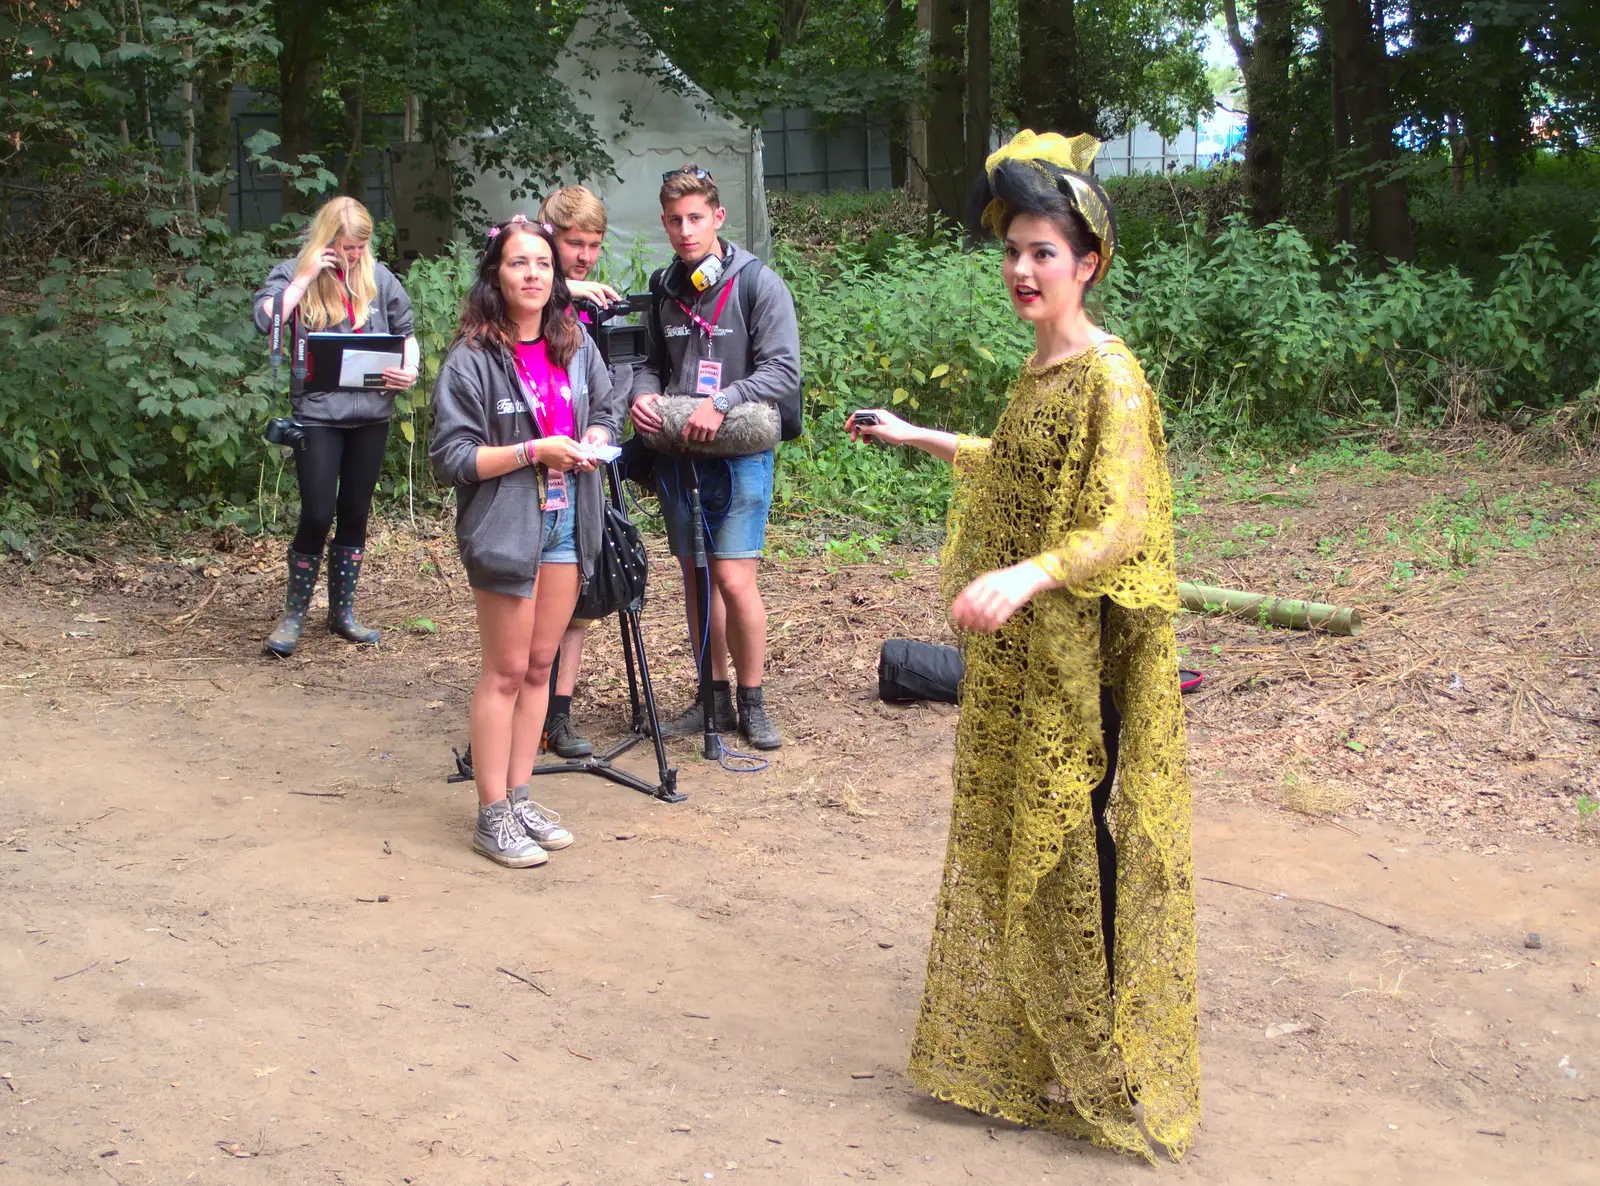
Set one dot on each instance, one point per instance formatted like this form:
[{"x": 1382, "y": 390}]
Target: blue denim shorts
[
  {"x": 560, "y": 542},
  {"x": 735, "y": 497}
]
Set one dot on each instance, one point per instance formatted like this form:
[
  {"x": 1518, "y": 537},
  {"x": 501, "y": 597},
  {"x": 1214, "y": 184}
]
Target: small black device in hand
[
  {"x": 860, "y": 418},
  {"x": 282, "y": 430}
]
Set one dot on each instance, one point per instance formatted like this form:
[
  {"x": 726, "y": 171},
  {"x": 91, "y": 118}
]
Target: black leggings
[
  {"x": 1099, "y": 800},
  {"x": 1105, "y": 846},
  {"x": 338, "y": 471}
]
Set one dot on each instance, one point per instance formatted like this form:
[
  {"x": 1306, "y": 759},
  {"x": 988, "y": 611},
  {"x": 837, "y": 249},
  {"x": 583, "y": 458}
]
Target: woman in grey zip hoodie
[{"x": 519, "y": 404}]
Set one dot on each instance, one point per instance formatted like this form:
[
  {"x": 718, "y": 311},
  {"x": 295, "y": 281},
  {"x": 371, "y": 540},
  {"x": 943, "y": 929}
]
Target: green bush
[
  {"x": 1253, "y": 327},
  {"x": 135, "y": 391},
  {"x": 121, "y": 389}
]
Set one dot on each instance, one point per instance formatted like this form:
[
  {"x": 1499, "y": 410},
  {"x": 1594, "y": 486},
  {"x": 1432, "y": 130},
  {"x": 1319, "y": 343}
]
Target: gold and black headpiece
[{"x": 1034, "y": 175}]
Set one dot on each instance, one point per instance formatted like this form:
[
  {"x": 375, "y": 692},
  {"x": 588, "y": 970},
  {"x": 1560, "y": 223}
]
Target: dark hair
[
  {"x": 486, "y": 323},
  {"x": 1027, "y": 188}
]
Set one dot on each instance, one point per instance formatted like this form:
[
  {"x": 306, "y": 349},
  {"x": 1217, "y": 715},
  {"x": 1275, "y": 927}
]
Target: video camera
[{"x": 619, "y": 343}]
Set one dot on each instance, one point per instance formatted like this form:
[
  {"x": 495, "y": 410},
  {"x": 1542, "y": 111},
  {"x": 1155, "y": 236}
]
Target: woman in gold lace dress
[{"x": 1061, "y": 979}]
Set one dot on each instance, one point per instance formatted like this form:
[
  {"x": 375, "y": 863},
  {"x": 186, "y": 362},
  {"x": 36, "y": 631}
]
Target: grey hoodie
[
  {"x": 477, "y": 400},
  {"x": 759, "y": 361},
  {"x": 390, "y": 314}
]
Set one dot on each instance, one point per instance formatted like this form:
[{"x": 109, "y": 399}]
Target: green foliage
[
  {"x": 135, "y": 391},
  {"x": 844, "y": 218},
  {"x": 1471, "y": 230},
  {"x": 120, "y": 391},
  {"x": 1251, "y": 327}
]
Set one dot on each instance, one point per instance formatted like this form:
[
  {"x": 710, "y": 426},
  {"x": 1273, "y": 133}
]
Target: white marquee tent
[{"x": 666, "y": 130}]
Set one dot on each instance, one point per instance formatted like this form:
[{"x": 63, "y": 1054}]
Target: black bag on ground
[
  {"x": 909, "y": 670},
  {"x": 620, "y": 568}
]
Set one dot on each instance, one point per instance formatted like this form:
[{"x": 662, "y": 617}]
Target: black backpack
[
  {"x": 791, "y": 415},
  {"x": 910, "y": 670}
]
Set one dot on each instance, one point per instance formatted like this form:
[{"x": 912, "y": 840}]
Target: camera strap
[{"x": 297, "y": 369}]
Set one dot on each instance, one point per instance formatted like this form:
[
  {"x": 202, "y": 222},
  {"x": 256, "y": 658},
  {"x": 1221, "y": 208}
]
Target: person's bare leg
[
  {"x": 719, "y": 619},
  {"x": 505, "y": 625},
  {"x": 571, "y": 658},
  {"x": 747, "y": 634},
  {"x": 745, "y": 617},
  {"x": 555, "y": 592}
]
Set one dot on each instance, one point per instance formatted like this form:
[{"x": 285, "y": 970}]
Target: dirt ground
[{"x": 243, "y": 938}]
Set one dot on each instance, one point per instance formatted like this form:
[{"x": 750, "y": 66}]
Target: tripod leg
[
  {"x": 627, "y": 661},
  {"x": 711, "y": 745},
  {"x": 635, "y": 645}
]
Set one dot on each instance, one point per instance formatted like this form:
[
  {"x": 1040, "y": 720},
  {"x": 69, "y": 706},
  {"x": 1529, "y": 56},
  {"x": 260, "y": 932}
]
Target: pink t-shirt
[{"x": 548, "y": 389}]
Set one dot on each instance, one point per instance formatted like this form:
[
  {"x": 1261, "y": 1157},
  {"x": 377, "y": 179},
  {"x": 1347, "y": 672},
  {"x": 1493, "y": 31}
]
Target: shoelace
[
  {"x": 536, "y": 813},
  {"x": 507, "y": 831}
]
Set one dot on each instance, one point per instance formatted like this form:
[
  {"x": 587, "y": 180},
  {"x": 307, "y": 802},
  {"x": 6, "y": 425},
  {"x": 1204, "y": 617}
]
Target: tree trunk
[
  {"x": 947, "y": 158},
  {"x": 1496, "y": 51},
  {"x": 917, "y": 126},
  {"x": 1458, "y": 153},
  {"x": 186, "y": 97},
  {"x": 980, "y": 109},
  {"x": 354, "y": 181},
  {"x": 214, "y": 131},
  {"x": 1052, "y": 99},
  {"x": 897, "y": 116},
  {"x": 792, "y": 21},
  {"x": 1264, "y": 63},
  {"x": 1356, "y": 37},
  {"x": 1343, "y": 224},
  {"x": 299, "y": 81}
]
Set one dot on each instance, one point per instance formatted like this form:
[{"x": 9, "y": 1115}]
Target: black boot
[
  {"x": 754, "y": 725},
  {"x": 560, "y": 738},
  {"x": 302, "y": 582},
  {"x": 691, "y": 721},
  {"x": 344, "y": 570}
]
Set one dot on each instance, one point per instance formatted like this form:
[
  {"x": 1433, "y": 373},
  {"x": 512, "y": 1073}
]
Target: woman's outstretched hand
[
  {"x": 988, "y": 603},
  {"x": 889, "y": 429}
]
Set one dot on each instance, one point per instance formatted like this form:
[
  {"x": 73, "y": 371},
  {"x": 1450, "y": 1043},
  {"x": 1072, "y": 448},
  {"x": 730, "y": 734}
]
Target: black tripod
[
  {"x": 710, "y": 741},
  {"x": 644, "y": 724}
]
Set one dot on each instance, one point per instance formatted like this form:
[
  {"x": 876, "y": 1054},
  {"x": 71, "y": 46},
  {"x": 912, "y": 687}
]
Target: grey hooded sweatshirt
[
  {"x": 760, "y": 360},
  {"x": 390, "y": 314},
  {"x": 478, "y": 400}
]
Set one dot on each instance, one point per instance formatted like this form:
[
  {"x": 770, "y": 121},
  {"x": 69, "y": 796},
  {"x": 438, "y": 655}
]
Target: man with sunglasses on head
[{"x": 722, "y": 329}]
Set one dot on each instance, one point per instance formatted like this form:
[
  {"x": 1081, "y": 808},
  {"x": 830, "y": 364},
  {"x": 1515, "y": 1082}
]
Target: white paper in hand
[
  {"x": 364, "y": 368},
  {"x": 604, "y": 452}
]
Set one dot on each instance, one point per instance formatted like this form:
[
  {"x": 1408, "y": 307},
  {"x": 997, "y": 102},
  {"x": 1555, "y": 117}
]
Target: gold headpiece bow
[{"x": 1072, "y": 158}]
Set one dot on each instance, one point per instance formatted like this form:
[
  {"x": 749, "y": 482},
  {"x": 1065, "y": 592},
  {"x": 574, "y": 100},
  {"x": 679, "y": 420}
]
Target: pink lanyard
[
  {"x": 349, "y": 309},
  {"x": 538, "y": 400},
  {"x": 708, "y": 326}
]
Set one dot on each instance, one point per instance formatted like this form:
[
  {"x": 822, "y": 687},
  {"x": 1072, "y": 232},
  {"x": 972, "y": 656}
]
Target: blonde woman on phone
[{"x": 335, "y": 285}]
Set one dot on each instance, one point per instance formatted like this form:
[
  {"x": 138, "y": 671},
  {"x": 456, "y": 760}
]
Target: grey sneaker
[
  {"x": 540, "y": 823},
  {"x": 501, "y": 838}
]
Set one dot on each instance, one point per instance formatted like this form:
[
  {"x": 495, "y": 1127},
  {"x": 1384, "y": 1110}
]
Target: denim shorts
[
  {"x": 735, "y": 497},
  {"x": 560, "y": 540}
]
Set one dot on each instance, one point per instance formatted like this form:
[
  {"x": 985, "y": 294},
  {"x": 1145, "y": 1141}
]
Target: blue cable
[{"x": 724, "y": 753}]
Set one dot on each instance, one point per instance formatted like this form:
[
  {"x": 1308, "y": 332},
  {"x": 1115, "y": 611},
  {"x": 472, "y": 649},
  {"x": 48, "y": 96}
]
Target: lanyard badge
[{"x": 552, "y": 489}]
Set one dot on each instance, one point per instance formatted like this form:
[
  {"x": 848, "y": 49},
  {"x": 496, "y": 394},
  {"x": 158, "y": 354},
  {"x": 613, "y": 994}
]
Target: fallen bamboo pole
[{"x": 1274, "y": 611}]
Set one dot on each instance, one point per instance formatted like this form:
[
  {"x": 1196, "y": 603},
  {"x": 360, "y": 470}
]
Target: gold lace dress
[{"x": 1019, "y": 1018}]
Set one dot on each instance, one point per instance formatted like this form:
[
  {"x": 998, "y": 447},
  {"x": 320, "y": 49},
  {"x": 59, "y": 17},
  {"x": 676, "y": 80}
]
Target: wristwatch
[{"x": 721, "y": 402}]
